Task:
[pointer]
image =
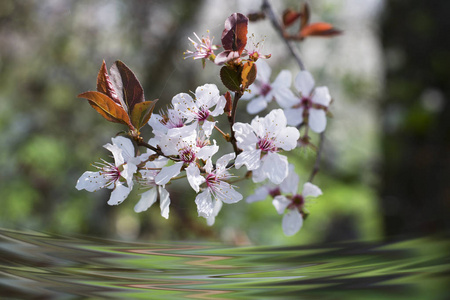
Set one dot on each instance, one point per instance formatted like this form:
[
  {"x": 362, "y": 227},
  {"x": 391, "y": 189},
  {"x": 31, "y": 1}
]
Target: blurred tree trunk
[
  {"x": 415, "y": 111},
  {"x": 164, "y": 79}
]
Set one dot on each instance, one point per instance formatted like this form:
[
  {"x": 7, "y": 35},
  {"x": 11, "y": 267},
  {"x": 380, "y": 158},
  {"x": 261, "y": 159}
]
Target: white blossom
[
  {"x": 311, "y": 105},
  {"x": 292, "y": 202},
  {"x": 262, "y": 91},
  {"x": 184, "y": 144},
  {"x": 117, "y": 176},
  {"x": 200, "y": 109},
  {"x": 216, "y": 187},
  {"x": 261, "y": 141},
  {"x": 147, "y": 180}
]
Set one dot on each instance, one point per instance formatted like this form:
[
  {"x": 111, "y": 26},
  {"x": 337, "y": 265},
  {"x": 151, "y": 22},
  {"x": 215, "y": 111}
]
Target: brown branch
[
  {"x": 156, "y": 150},
  {"x": 267, "y": 8},
  {"x": 231, "y": 120}
]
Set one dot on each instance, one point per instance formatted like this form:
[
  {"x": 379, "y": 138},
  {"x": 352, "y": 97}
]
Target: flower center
[
  {"x": 274, "y": 192},
  {"x": 108, "y": 171},
  {"x": 211, "y": 180},
  {"x": 187, "y": 155},
  {"x": 266, "y": 144},
  {"x": 203, "y": 114},
  {"x": 202, "y": 142},
  {"x": 297, "y": 201},
  {"x": 306, "y": 102},
  {"x": 265, "y": 89}
]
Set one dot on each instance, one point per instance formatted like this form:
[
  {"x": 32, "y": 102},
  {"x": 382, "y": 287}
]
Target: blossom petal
[
  {"x": 321, "y": 96},
  {"x": 225, "y": 192},
  {"x": 290, "y": 184},
  {"x": 116, "y": 152},
  {"x": 283, "y": 80},
  {"x": 275, "y": 167},
  {"x": 211, "y": 219},
  {"x": 156, "y": 124},
  {"x": 294, "y": 116},
  {"x": 119, "y": 194},
  {"x": 304, "y": 83},
  {"x": 128, "y": 170},
  {"x": 207, "y": 151},
  {"x": 311, "y": 190},
  {"x": 164, "y": 202},
  {"x": 219, "y": 109},
  {"x": 281, "y": 203},
  {"x": 168, "y": 173},
  {"x": 126, "y": 146},
  {"x": 317, "y": 120},
  {"x": 245, "y": 137},
  {"x": 194, "y": 177},
  {"x": 208, "y": 127},
  {"x": 287, "y": 138},
  {"x": 256, "y": 105},
  {"x": 273, "y": 123},
  {"x": 222, "y": 162},
  {"x": 285, "y": 97},
  {"x": 292, "y": 222},
  {"x": 251, "y": 159},
  {"x": 147, "y": 199},
  {"x": 91, "y": 181},
  {"x": 259, "y": 194},
  {"x": 204, "y": 204},
  {"x": 258, "y": 175},
  {"x": 264, "y": 71},
  {"x": 185, "y": 105},
  {"x": 207, "y": 95}
]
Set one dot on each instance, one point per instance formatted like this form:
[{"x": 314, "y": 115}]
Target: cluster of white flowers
[
  {"x": 183, "y": 135},
  {"x": 182, "y": 147},
  {"x": 309, "y": 106}
]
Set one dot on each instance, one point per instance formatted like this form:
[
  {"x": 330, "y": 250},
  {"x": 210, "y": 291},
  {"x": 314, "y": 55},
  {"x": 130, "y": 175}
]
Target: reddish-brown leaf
[
  {"x": 105, "y": 106},
  {"x": 248, "y": 74},
  {"x": 128, "y": 88},
  {"x": 234, "y": 36},
  {"x": 305, "y": 13},
  {"x": 290, "y": 16},
  {"x": 105, "y": 86},
  {"x": 141, "y": 113},
  {"x": 319, "y": 29}
]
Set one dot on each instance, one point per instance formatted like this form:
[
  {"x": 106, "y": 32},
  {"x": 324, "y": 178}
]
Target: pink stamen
[
  {"x": 266, "y": 144},
  {"x": 187, "y": 155}
]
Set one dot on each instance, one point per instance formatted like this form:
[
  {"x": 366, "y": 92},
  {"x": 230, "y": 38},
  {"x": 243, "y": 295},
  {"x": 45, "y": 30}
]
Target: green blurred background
[{"x": 385, "y": 169}]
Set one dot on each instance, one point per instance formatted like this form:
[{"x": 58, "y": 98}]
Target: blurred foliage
[
  {"x": 52, "y": 50},
  {"x": 414, "y": 110}
]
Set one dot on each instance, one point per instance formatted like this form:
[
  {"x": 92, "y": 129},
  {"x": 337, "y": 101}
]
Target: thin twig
[
  {"x": 267, "y": 8},
  {"x": 156, "y": 150},
  {"x": 316, "y": 167},
  {"x": 221, "y": 132}
]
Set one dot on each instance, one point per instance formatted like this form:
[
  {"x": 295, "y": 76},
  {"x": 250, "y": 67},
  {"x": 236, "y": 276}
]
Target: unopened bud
[{"x": 229, "y": 104}]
